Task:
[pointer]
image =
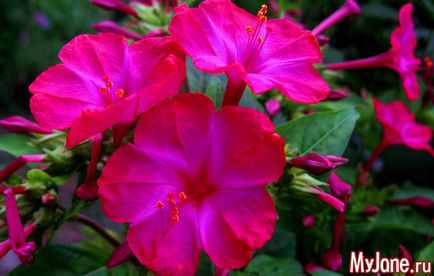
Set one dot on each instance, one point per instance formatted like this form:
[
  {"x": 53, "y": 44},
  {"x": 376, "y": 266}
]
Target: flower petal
[
  {"x": 165, "y": 247},
  {"x": 240, "y": 136}
]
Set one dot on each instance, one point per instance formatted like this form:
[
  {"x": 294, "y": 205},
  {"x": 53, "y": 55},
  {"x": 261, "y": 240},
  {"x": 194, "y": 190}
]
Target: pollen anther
[
  {"x": 249, "y": 29},
  {"x": 182, "y": 196},
  {"x": 120, "y": 93},
  {"x": 160, "y": 204}
]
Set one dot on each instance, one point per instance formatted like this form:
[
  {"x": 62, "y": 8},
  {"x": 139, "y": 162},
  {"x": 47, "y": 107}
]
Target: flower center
[
  {"x": 174, "y": 203},
  {"x": 110, "y": 94},
  {"x": 256, "y": 38}
]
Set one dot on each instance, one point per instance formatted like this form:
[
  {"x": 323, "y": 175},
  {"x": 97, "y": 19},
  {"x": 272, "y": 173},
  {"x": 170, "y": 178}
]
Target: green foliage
[
  {"x": 323, "y": 133},
  {"x": 17, "y": 144}
]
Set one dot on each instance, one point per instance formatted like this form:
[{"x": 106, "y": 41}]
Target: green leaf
[
  {"x": 403, "y": 219},
  {"x": 426, "y": 255},
  {"x": 265, "y": 265},
  {"x": 16, "y": 144},
  {"x": 215, "y": 91},
  {"x": 323, "y": 133},
  {"x": 249, "y": 100}
]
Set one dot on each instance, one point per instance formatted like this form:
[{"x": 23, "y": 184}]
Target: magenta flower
[
  {"x": 116, "y": 5},
  {"x": 399, "y": 58},
  {"x": 181, "y": 193},
  {"x": 120, "y": 255},
  {"x": 337, "y": 94},
  {"x": 399, "y": 128},
  {"x": 332, "y": 259},
  {"x": 17, "y": 237},
  {"x": 5, "y": 246},
  {"x": 18, "y": 124},
  {"x": 350, "y": 7},
  {"x": 108, "y": 26},
  {"x": 328, "y": 199},
  {"x": 103, "y": 82},
  {"x": 251, "y": 50},
  {"x": 318, "y": 164}
]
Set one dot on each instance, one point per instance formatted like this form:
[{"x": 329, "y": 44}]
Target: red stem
[{"x": 97, "y": 228}]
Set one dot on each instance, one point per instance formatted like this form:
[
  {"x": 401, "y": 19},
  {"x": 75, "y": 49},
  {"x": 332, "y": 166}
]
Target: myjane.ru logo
[{"x": 361, "y": 264}]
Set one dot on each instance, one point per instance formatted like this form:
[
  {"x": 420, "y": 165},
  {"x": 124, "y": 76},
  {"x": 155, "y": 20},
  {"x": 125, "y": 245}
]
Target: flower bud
[
  {"x": 311, "y": 267},
  {"x": 404, "y": 253},
  {"x": 370, "y": 210},
  {"x": 337, "y": 94},
  {"x": 309, "y": 221},
  {"x": 272, "y": 106},
  {"x": 418, "y": 202},
  {"x": 332, "y": 260},
  {"x": 18, "y": 124},
  {"x": 120, "y": 255},
  {"x": 317, "y": 164},
  {"x": 108, "y": 26},
  {"x": 115, "y": 5},
  {"x": 339, "y": 188}
]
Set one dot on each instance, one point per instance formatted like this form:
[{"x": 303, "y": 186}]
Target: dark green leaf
[
  {"x": 426, "y": 255},
  {"x": 323, "y": 133},
  {"x": 265, "y": 265}
]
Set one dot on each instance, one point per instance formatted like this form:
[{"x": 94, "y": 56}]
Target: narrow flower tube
[
  {"x": 23, "y": 249},
  {"x": 221, "y": 272},
  {"x": 328, "y": 199},
  {"x": 350, "y": 7},
  {"x": 120, "y": 255},
  {"x": 332, "y": 259},
  {"x": 18, "y": 124},
  {"x": 400, "y": 57},
  {"x": 404, "y": 253},
  {"x": 108, "y": 26},
  {"x": 89, "y": 190},
  {"x": 115, "y": 5},
  {"x": 19, "y": 163},
  {"x": 418, "y": 202},
  {"x": 318, "y": 164},
  {"x": 5, "y": 246}
]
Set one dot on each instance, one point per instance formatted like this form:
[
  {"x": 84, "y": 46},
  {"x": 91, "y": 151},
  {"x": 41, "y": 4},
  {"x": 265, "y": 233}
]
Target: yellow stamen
[{"x": 120, "y": 93}]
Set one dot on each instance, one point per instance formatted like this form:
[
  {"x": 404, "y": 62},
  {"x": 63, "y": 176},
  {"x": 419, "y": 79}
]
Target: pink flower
[
  {"x": 117, "y": 5},
  {"x": 19, "y": 124},
  {"x": 399, "y": 128},
  {"x": 272, "y": 106},
  {"x": 108, "y": 26},
  {"x": 181, "y": 193},
  {"x": 350, "y": 7},
  {"x": 318, "y": 164},
  {"x": 309, "y": 221},
  {"x": 251, "y": 50},
  {"x": 104, "y": 82},
  {"x": 17, "y": 237},
  {"x": 332, "y": 260},
  {"x": 5, "y": 246},
  {"x": 337, "y": 94},
  {"x": 399, "y": 58}
]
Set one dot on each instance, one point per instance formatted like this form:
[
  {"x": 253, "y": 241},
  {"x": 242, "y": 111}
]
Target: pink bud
[
  {"x": 318, "y": 164},
  {"x": 115, "y": 5},
  {"x": 5, "y": 246},
  {"x": 337, "y": 94},
  {"x": 18, "y": 124},
  {"x": 272, "y": 106},
  {"x": 312, "y": 267},
  {"x": 370, "y": 210},
  {"x": 323, "y": 40},
  {"x": 309, "y": 221},
  {"x": 221, "y": 272},
  {"x": 339, "y": 188},
  {"x": 108, "y": 26},
  {"x": 120, "y": 255},
  {"x": 332, "y": 260},
  {"x": 419, "y": 202},
  {"x": 329, "y": 199},
  {"x": 404, "y": 253},
  {"x": 48, "y": 198},
  {"x": 156, "y": 33}
]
